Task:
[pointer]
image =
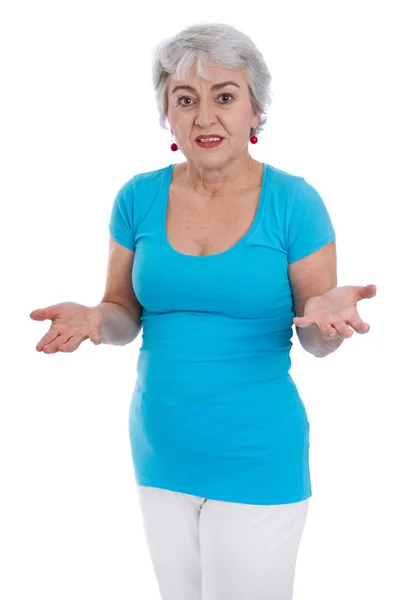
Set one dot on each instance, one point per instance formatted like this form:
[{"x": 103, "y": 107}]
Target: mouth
[{"x": 209, "y": 141}]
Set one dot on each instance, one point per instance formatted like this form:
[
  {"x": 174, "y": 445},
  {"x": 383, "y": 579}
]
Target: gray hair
[{"x": 217, "y": 44}]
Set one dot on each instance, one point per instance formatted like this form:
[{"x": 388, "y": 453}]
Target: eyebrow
[{"x": 216, "y": 86}]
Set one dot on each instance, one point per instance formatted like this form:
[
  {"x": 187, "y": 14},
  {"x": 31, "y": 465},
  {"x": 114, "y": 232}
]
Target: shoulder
[
  {"x": 281, "y": 187},
  {"x": 284, "y": 178},
  {"x": 294, "y": 192},
  {"x": 132, "y": 193},
  {"x": 146, "y": 178}
]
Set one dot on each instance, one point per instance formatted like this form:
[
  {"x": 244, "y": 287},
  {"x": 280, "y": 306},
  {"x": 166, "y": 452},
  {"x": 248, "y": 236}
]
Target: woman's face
[{"x": 225, "y": 110}]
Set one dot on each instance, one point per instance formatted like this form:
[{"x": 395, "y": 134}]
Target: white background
[{"x": 78, "y": 119}]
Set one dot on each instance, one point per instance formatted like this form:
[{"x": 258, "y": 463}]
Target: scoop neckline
[{"x": 207, "y": 257}]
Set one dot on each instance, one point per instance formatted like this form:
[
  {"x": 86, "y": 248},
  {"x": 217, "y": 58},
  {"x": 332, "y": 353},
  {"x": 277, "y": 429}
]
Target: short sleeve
[
  {"x": 121, "y": 220},
  {"x": 310, "y": 226}
]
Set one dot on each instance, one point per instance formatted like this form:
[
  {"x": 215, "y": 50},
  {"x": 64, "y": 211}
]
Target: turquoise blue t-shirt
[{"x": 214, "y": 411}]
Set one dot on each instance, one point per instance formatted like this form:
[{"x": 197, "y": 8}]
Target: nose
[{"x": 206, "y": 113}]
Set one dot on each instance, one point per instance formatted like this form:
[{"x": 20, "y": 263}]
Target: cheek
[
  {"x": 237, "y": 126},
  {"x": 183, "y": 127}
]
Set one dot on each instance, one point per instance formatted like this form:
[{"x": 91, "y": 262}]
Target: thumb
[
  {"x": 40, "y": 314},
  {"x": 370, "y": 290},
  {"x": 365, "y": 291}
]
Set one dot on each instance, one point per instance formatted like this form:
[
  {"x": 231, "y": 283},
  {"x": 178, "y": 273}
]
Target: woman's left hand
[{"x": 335, "y": 310}]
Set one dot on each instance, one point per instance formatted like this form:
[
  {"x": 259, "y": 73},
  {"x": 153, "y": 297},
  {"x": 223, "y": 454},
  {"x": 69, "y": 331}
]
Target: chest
[{"x": 200, "y": 227}]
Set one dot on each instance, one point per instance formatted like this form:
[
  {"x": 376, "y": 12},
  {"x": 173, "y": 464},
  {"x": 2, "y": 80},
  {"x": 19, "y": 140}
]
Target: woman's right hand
[{"x": 72, "y": 323}]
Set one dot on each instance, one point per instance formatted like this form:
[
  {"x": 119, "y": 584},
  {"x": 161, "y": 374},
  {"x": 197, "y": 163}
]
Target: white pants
[{"x": 204, "y": 549}]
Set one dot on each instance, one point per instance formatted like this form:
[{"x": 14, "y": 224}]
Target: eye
[
  {"x": 183, "y": 98},
  {"x": 226, "y": 95},
  {"x": 188, "y": 98}
]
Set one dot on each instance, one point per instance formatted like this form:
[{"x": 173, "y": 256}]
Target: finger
[
  {"x": 371, "y": 290},
  {"x": 72, "y": 344},
  {"x": 328, "y": 331},
  {"x": 54, "y": 346},
  {"x": 47, "y": 339},
  {"x": 367, "y": 291},
  {"x": 343, "y": 330},
  {"x": 358, "y": 324},
  {"x": 39, "y": 314},
  {"x": 325, "y": 327},
  {"x": 95, "y": 338},
  {"x": 303, "y": 321}
]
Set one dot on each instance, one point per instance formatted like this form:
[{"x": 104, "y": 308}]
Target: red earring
[
  {"x": 253, "y": 139},
  {"x": 174, "y": 146}
]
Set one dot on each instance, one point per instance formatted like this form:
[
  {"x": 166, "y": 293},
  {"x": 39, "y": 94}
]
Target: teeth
[{"x": 210, "y": 140}]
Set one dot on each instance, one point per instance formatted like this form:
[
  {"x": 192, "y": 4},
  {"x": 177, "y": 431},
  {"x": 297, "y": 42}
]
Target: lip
[
  {"x": 205, "y": 144},
  {"x": 203, "y": 137}
]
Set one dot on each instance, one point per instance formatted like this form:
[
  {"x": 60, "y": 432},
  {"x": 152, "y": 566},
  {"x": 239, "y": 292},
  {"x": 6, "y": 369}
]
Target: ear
[{"x": 256, "y": 119}]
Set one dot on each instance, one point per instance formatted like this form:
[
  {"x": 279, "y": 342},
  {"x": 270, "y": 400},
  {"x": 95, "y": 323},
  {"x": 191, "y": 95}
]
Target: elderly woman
[{"x": 214, "y": 259}]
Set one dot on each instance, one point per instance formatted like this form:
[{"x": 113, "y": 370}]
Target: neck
[{"x": 220, "y": 181}]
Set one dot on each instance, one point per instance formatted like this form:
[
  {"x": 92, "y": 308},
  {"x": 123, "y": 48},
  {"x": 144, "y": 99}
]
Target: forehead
[{"x": 217, "y": 75}]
